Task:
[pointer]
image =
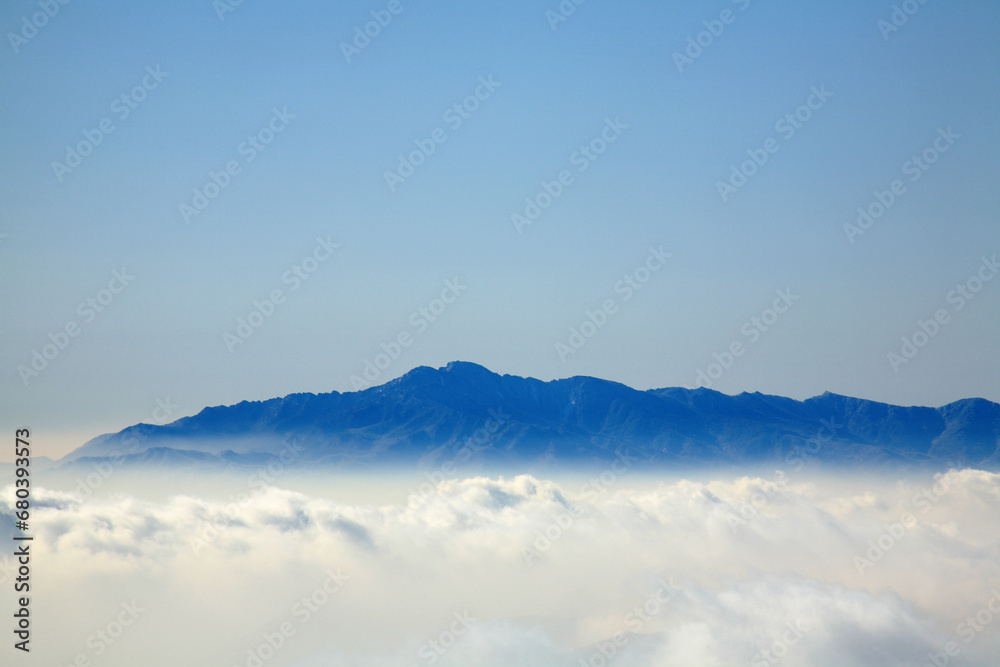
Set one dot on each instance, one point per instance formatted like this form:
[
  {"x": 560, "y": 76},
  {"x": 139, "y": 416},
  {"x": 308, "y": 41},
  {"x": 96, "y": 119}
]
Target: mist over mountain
[{"x": 464, "y": 413}]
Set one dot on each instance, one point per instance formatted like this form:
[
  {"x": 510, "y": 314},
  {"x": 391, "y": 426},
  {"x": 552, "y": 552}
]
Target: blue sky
[{"x": 163, "y": 336}]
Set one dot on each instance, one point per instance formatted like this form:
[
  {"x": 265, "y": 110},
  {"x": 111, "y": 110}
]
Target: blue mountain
[{"x": 465, "y": 412}]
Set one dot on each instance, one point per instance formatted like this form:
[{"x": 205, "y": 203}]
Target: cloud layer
[{"x": 480, "y": 571}]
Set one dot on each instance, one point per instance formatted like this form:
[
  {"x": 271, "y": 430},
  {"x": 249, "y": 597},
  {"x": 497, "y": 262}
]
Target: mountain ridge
[{"x": 418, "y": 417}]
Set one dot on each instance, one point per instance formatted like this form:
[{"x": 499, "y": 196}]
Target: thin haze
[{"x": 669, "y": 130}]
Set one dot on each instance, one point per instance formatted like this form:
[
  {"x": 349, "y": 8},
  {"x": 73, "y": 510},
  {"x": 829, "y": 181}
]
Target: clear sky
[{"x": 309, "y": 128}]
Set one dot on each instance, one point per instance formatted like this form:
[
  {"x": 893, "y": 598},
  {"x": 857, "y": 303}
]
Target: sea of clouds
[{"x": 831, "y": 571}]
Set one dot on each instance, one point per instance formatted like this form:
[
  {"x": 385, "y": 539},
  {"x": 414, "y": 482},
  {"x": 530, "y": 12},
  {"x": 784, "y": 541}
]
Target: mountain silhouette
[{"x": 465, "y": 412}]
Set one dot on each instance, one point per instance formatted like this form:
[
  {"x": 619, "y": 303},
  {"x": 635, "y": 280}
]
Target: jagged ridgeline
[{"x": 429, "y": 415}]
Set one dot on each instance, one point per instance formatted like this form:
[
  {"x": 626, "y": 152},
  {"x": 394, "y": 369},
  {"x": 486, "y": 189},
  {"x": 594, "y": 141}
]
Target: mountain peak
[{"x": 466, "y": 367}]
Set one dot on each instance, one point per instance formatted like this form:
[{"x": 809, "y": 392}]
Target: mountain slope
[{"x": 428, "y": 415}]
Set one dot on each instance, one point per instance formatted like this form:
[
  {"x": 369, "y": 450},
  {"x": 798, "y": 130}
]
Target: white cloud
[{"x": 755, "y": 562}]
